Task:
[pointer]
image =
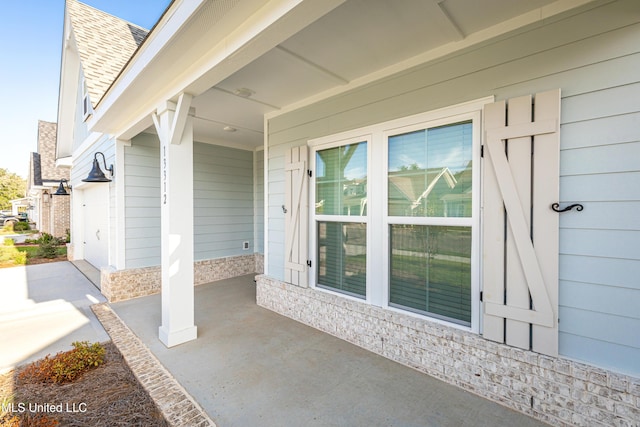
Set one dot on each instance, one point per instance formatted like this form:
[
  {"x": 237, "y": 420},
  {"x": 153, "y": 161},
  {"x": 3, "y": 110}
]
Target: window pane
[
  {"x": 341, "y": 180},
  {"x": 431, "y": 270},
  {"x": 430, "y": 172},
  {"x": 342, "y": 259}
]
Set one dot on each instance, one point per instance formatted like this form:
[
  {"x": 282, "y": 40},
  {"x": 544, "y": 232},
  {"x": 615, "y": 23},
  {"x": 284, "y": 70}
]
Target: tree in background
[{"x": 11, "y": 187}]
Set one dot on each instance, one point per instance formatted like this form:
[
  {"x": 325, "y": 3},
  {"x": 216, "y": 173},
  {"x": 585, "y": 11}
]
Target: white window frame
[
  {"x": 347, "y": 139},
  {"x": 87, "y": 108},
  {"x": 377, "y": 218}
]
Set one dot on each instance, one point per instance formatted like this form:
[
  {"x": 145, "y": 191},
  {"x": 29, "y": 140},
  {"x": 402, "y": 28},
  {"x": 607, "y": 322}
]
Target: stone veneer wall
[
  {"x": 61, "y": 212},
  {"x": 555, "y": 390},
  {"x": 119, "y": 285}
]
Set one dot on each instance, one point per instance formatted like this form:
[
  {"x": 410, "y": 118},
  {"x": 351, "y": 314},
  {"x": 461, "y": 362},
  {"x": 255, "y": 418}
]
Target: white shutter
[
  {"x": 519, "y": 228},
  {"x": 296, "y": 216}
]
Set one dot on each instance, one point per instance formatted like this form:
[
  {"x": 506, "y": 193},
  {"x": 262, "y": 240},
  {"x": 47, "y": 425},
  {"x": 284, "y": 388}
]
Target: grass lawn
[{"x": 12, "y": 256}]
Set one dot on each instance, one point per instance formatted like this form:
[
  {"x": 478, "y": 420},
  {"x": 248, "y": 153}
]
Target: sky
[{"x": 30, "y": 52}]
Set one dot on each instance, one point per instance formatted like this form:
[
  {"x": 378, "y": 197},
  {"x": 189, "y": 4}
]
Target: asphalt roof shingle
[{"x": 105, "y": 44}]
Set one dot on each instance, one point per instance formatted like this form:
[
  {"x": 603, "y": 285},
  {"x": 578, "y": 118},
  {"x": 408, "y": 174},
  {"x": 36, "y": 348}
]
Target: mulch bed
[
  {"x": 108, "y": 395},
  {"x": 35, "y": 260}
]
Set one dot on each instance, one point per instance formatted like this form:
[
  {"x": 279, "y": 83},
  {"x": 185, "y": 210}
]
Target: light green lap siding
[
  {"x": 594, "y": 58},
  {"x": 223, "y": 201},
  {"x": 142, "y": 202}
]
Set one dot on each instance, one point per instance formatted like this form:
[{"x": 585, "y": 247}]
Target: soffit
[
  {"x": 354, "y": 40},
  {"x": 336, "y": 50}
]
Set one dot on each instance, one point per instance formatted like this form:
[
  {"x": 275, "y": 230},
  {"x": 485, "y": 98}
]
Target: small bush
[
  {"x": 48, "y": 238},
  {"x": 48, "y": 250},
  {"x": 31, "y": 241},
  {"x": 8, "y": 227},
  {"x": 10, "y": 256},
  {"x": 8, "y": 241},
  {"x": 65, "y": 366},
  {"x": 21, "y": 226},
  {"x": 48, "y": 246}
]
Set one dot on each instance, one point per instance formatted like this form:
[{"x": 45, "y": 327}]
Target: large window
[
  {"x": 429, "y": 180},
  {"x": 341, "y": 210},
  {"x": 395, "y": 214}
]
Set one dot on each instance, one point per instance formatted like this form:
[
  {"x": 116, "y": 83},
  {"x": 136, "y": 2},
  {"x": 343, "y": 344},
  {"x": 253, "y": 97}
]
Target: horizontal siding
[
  {"x": 614, "y": 158},
  {"x": 223, "y": 201},
  {"x": 607, "y": 130},
  {"x": 593, "y": 57},
  {"x": 622, "y": 244},
  {"x": 142, "y": 202},
  {"x": 610, "y": 215},
  {"x": 601, "y": 188},
  {"x": 601, "y": 271},
  {"x": 608, "y": 355},
  {"x": 612, "y": 300}
]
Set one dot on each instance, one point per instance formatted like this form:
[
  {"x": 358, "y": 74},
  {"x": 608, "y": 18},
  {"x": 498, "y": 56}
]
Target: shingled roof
[
  {"x": 43, "y": 167},
  {"x": 105, "y": 44}
]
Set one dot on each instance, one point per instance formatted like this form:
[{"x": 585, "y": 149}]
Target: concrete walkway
[
  {"x": 44, "y": 308},
  {"x": 252, "y": 367}
]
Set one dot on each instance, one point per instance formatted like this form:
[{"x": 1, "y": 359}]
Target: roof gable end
[{"x": 105, "y": 43}]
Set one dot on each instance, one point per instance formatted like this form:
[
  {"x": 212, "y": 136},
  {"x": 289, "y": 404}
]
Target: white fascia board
[
  {"x": 529, "y": 18},
  {"x": 67, "y": 91},
  {"x": 64, "y": 162},
  {"x": 262, "y": 30}
]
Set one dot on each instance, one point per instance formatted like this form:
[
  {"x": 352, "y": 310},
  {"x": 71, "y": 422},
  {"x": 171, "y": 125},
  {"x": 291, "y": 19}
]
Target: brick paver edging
[{"x": 177, "y": 406}]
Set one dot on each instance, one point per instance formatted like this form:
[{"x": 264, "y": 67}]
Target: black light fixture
[
  {"x": 96, "y": 174},
  {"x": 61, "y": 191}
]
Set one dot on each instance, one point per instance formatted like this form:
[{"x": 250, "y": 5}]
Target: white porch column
[{"x": 175, "y": 130}]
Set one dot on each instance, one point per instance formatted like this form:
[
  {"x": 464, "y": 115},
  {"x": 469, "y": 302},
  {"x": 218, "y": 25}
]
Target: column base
[{"x": 173, "y": 338}]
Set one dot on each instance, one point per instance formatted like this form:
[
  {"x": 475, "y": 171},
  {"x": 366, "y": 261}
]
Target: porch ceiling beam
[
  {"x": 453, "y": 30},
  {"x": 313, "y": 65}
]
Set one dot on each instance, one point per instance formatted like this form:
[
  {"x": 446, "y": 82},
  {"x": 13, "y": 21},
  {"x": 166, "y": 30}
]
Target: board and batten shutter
[
  {"x": 519, "y": 228},
  {"x": 296, "y": 217}
]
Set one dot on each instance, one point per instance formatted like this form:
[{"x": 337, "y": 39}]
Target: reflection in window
[
  {"x": 341, "y": 180},
  {"x": 342, "y": 257},
  {"x": 430, "y": 270},
  {"x": 430, "y": 172}
]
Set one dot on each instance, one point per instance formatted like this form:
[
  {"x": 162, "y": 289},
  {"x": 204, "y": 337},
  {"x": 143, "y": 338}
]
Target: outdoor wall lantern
[
  {"x": 96, "y": 174},
  {"x": 61, "y": 191}
]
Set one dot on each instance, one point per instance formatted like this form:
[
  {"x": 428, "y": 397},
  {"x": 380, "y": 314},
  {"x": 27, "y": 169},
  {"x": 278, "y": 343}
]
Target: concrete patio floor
[{"x": 252, "y": 367}]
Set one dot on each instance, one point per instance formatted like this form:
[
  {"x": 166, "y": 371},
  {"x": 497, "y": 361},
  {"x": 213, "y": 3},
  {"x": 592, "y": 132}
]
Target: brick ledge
[{"x": 177, "y": 406}]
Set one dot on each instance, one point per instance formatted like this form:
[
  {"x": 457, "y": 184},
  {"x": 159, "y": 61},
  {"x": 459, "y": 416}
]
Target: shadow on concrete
[{"x": 45, "y": 308}]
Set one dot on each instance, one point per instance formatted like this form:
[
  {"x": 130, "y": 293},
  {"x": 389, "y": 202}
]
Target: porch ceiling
[{"x": 345, "y": 48}]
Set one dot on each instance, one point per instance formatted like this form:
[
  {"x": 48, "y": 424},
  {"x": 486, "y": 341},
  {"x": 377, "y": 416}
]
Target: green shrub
[
  {"x": 8, "y": 241},
  {"x": 9, "y": 255},
  {"x": 48, "y": 249},
  {"x": 48, "y": 245},
  {"x": 65, "y": 366},
  {"x": 21, "y": 226},
  {"x": 8, "y": 227}
]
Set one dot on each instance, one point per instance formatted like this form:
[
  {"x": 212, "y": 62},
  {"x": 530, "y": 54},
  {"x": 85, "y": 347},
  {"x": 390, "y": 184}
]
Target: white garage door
[{"x": 96, "y": 225}]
